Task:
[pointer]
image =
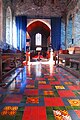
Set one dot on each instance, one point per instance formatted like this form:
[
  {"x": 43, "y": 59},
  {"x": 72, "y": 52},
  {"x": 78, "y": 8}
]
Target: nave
[{"x": 41, "y": 91}]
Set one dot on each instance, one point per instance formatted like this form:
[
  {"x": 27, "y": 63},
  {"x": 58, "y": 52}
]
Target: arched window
[
  {"x": 9, "y": 26},
  {"x": 14, "y": 34},
  {"x": 38, "y": 39}
]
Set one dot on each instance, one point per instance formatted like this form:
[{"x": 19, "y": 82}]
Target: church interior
[{"x": 39, "y": 59}]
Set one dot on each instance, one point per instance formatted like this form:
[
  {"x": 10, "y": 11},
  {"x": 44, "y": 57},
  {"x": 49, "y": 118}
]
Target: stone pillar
[
  {"x": 69, "y": 31},
  {"x": 63, "y": 34},
  {"x": 1, "y": 23}
]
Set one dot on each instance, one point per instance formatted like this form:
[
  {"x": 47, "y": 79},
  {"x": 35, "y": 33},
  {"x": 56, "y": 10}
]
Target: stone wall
[
  {"x": 74, "y": 29},
  {"x": 77, "y": 29},
  {"x": 0, "y": 20},
  {"x": 5, "y": 5}
]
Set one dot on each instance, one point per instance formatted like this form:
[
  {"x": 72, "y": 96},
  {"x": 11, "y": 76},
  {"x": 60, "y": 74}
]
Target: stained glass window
[{"x": 38, "y": 39}]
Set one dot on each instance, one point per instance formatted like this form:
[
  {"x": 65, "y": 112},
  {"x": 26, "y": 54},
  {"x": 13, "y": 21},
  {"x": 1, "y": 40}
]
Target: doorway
[{"x": 38, "y": 39}]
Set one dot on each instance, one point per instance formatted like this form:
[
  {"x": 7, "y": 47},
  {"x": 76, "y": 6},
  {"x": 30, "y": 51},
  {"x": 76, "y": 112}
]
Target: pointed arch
[
  {"x": 34, "y": 25},
  {"x": 43, "y": 21},
  {"x": 38, "y": 26}
]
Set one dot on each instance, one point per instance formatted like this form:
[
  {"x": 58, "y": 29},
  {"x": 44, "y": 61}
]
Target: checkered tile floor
[{"x": 41, "y": 92}]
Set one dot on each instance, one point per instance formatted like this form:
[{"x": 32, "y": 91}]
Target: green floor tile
[
  {"x": 19, "y": 116},
  {"x": 6, "y": 117}
]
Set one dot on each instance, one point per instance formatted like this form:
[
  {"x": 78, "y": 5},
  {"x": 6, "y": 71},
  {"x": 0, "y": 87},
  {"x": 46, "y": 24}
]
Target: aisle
[{"x": 41, "y": 92}]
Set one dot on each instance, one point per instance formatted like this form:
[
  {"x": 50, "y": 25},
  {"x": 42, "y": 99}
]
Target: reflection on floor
[
  {"x": 41, "y": 92},
  {"x": 36, "y": 59}
]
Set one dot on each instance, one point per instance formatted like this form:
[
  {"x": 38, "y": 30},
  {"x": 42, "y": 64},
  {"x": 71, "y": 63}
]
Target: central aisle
[{"x": 41, "y": 92}]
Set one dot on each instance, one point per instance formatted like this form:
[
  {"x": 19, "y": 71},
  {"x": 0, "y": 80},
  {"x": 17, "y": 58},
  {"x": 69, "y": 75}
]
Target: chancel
[{"x": 39, "y": 59}]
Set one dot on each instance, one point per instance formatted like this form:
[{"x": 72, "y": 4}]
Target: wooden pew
[
  {"x": 8, "y": 63},
  {"x": 58, "y": 58},
  {"x": 69, "y": 60},
  {"x": 75, "y": 61}
]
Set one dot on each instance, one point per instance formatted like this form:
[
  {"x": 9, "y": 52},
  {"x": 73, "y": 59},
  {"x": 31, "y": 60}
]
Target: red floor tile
[
  {"x": 54, "y": 83},
  {"x": 27, "y": 113},
  {"x": 53, "y": 101},
  {"x": 44, "y": 87},
  {"x": 31, "y": 92},
  {"x": 74, "y": 87},
  {"x": 12, "y": 99},
  {"x": 34, "y": 100},
  {"x": 66, "y": 93},
  {"x": 34, "y": 113}
]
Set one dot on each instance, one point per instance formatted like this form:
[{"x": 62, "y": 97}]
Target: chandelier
[{"x": 39, "y": 3}]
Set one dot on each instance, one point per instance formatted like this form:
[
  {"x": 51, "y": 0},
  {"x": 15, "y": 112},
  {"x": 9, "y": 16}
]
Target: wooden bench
[
  {"x": 75, "y": 61},
  {"x": 56, "y": 55},
  {"x": 8, "y": 63},
  {"x": 71, "y": 61},
  {"x": 66, "y": 64}
]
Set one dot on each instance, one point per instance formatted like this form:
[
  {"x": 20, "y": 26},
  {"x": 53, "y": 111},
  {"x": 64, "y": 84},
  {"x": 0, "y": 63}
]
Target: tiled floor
[{"x": 41, "y": 92}]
